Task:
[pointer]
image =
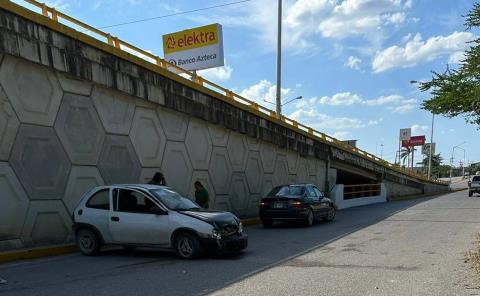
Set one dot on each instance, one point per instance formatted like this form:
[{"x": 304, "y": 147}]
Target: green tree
[{"x": 456, "y": 92}]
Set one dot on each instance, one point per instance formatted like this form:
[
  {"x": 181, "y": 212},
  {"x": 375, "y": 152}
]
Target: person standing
[
  {"x": 158, "y": 179},
  {"x": 201, "y": 195}
]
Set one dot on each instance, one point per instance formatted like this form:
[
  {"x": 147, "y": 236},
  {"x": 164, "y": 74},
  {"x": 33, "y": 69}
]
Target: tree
[
  {"x": 405, "y": 153},
  {"x": 436, "y": 160},
  {"x": 456, "y": 92}
]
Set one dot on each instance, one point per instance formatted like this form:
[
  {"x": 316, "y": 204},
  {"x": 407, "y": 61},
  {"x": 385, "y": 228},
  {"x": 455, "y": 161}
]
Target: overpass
[{"x": 79, "y": 108}]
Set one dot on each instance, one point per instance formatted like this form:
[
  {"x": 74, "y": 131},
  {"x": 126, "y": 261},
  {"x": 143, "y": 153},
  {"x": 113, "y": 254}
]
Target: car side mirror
[{"x": 158, "y": 211}]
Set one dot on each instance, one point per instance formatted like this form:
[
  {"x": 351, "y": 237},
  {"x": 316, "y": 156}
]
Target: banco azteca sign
[{"x": 195, "y": 49}]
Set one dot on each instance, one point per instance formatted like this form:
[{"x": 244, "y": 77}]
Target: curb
[
  {"x": 40, "y": 252},
  {"x": 34, "y": 253}
]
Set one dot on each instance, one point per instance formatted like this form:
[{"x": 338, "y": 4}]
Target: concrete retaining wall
[
  {"x": 338, "y": 196},
  {"x": 61, "y": 136}
]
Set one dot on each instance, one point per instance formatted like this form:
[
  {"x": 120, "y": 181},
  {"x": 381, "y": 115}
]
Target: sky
[{"x": 352, "y": 61}]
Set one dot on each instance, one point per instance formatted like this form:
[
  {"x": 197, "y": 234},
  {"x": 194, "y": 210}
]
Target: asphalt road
[{"x": 413, "y": 247}]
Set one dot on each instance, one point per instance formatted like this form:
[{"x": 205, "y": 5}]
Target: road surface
[{"x": 413, "y": 247}]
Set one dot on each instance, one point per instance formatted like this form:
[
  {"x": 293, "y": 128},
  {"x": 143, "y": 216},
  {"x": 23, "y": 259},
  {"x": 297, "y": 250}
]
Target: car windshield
[
  {"x": 173, "y": 200},
  {"x": 476, "y": 179},
  {"x": 290, "y": 190}
]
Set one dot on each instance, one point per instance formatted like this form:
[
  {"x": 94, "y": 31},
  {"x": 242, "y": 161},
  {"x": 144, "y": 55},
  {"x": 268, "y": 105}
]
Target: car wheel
[
  {"x": 187, "y": 246},
  {"x": 267, "y": 223},
  {"x": 309, "y": 219},
  {"x": 88, "y": 242},
  {"x": 331, "y": 214},
  {"x": 470, "y": 193}
]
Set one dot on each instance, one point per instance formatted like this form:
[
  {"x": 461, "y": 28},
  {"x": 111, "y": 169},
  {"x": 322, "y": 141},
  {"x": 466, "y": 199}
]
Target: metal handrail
[{"x": 55, "y": 15}]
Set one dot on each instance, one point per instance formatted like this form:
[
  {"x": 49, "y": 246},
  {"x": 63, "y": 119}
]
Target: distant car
[
  {"x": 153, "y": 216},
  {"x": 474, "y": 185},
  {"x": 297, "y": 203}
]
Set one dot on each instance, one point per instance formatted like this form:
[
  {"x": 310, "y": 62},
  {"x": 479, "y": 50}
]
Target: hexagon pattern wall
[
  {"x": 20, "y": 80},
  {"x": 59, "y": 140}
]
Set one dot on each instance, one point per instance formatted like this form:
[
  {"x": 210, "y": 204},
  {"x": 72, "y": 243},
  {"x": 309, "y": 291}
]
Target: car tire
[
  {"x": 470, "y": 193},
  {"x": 309, "y": 219},
  {"x": 88, "y": 242},
  {"x": 331, "y": 214},
  {"x": 267, "y": 223},
  {"x": 187, "y": 246}
]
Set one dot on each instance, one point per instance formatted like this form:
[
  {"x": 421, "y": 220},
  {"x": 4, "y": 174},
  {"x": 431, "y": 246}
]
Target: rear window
[
  {"x": 292, "y": 190},
  {"x": 476, "y": 179},
  {"x": 100, "y": 200}
]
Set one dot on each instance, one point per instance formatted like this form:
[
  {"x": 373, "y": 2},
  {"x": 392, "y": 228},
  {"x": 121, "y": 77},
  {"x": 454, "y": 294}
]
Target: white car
[
  {"x": 153, "y": 216},
  {"x": 474, "y": 185}
]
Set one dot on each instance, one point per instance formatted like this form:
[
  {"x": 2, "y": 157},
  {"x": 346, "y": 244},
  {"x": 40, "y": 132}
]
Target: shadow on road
[{"x": 144, "y": 272}]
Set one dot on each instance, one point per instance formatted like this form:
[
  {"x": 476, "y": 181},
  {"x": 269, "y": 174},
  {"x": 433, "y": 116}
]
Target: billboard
[
  {"x": 426, "y": 149},
  {"x": 405, "y": 134},
  {"x": 414, "y": 141},
  {"x": 195, "y": 49}
]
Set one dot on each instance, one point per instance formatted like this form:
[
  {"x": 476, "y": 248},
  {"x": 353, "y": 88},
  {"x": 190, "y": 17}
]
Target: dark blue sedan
[{"x": 297, "y": 203}]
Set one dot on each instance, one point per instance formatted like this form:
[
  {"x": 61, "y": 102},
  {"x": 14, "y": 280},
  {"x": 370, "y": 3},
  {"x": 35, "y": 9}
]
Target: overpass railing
[
  {"x": 360, "y": 190},
  {"x": 228, "y": 95}
]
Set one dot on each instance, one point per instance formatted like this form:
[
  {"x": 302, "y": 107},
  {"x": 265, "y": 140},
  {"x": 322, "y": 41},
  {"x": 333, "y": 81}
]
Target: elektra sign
[{"x": 195, "y": 49}]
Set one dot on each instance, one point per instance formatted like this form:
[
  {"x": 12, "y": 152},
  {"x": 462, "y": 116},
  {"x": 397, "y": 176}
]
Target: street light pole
[
  {"x": 431, "y": 144},
  {"x": 279, "y": 61},
  {"x": 451, "y": 159}
]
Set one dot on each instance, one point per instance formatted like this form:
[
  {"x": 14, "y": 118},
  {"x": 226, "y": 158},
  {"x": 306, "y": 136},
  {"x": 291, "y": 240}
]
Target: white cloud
[
  {"x": 406, "y": 108},
  {"x": 303, "y": 20},
  {"x": 353, "y": 63},
  {"x": 217, "y": 74},
  {"x": 320, "y": 121},
  {"x": 375, "y": 121},
  {"x": 415, "y": 51},
  {"x": 342, "y": 135},
  {"x": 385, "y": 100},
  {"x": 339, "y": 99},
  {"x": 263, "y": 91},
  {"x": 419, "y": 129}
]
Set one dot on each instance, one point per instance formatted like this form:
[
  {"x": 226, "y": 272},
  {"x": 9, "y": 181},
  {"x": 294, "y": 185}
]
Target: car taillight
[
  {"x": 297, "y": 205},
  {"x": 263, "y": 204}
]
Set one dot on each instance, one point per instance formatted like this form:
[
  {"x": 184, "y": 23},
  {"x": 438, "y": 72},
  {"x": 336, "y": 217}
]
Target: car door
[
  {"x": 324, "y": 202},
  {"x": 131, "y": 220},
  {"x": 313, "y": 200}
]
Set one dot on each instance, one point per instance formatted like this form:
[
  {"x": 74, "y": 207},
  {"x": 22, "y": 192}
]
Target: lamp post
[
  {"x": 279, "y": 61},
  {"x": 430, "y": 153},
  {"x": 451, "y": 159}
]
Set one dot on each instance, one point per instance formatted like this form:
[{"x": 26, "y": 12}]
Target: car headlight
[
  {"x": 216, "y": 234},
  {"x": 240, "y": 228}
]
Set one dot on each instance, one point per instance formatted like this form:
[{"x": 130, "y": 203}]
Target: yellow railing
[
  {"x": 360, "y": 190},
  {"x": 113, "y": 41}
]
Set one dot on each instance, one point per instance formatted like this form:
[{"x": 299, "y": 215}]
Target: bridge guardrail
[
  {"x": 361, "y": 190},
  {"x": 57, "y": 16}
]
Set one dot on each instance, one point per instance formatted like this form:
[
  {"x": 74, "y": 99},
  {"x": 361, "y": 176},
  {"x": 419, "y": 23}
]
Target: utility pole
[
  {"x": 381, "y": 151},
  {"x": 279, "y": 61},
  {"x": 431, "y": 144}
]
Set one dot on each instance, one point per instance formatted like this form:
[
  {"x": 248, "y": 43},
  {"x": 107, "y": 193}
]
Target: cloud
[
  {"x": 406, "y": 108},
  {"x": 375, "y": 121},
  {"x": 419, "y": 129},
  {"x": 305, "y": 20},
  {"x": 263, "y": 91},
  {"x": 320, "y": 121},
  {"x": 217, "y": 74},
  {"x": 415, "y": 51},
  {"x": 353, "y": 63},
  {"x": 385, "y": 100},
  {"x": 339, "y": 99},
  {"x": 342, "y": 135}
]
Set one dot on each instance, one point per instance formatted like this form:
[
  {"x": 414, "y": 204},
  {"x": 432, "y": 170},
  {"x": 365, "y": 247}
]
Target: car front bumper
[{"x": 227, "y": 245}]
